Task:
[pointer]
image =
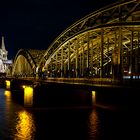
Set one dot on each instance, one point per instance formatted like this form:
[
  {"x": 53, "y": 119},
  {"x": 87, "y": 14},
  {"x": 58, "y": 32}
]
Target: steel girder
[
  {"x": 26, "y": 61},
  {"x": 96, "y": 42}
]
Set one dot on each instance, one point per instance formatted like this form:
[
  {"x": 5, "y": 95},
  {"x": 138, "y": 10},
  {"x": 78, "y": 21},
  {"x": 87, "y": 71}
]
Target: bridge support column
[
  {"x": 51, "y": 68},
  {"x": 83, "y": 59},
  {"x": 76, "y": 61},
  {"x": 69, "y": 53},
  {"x": 80, "y": 64},
  {"x": 131, "y": 56},
  {"x": 62, "y": 63},
  {"x": 87, "y": 63},
  {"x": 56, "y": 66},
  {"x": 108, "y": 68},
  {"x": 117, "y": 57},
  {"x": 138, "y": 50},
  {"x": 101, "y": 52},
  {"x": 92, "y": 59},
  {"x": 121, "y": 55}
]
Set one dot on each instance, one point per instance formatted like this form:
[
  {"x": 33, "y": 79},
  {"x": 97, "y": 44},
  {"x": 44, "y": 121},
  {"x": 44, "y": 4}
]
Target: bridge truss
[
  {"x": 26, "y": 62},
  {"x": 105, "y": 43}
]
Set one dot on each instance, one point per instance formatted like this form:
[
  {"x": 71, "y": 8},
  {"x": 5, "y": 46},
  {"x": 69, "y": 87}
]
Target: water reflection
[
  {"x": 7, "y": 95},
  {"x": 25, "y": 127},
  {"x": 93, "y": 125}
]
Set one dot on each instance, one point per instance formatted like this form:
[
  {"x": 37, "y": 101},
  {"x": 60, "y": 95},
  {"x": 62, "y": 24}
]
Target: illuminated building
[{"x": 4, "y": 62}]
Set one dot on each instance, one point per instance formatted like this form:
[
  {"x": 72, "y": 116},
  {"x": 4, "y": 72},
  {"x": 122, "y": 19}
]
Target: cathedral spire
[{"x": 2, "y": 44}]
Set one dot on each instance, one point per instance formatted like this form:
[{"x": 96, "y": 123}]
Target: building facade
[{"x": 5, "y": 64}]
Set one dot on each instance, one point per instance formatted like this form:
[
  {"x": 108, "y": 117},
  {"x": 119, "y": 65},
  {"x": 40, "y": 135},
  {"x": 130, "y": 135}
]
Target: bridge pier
[{"x": 50, "y": 95}]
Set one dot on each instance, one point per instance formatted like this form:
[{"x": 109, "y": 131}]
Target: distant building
[{"x": 5, "y": 64}]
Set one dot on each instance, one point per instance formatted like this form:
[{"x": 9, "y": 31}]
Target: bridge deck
[{"x": 96, "y": 82}]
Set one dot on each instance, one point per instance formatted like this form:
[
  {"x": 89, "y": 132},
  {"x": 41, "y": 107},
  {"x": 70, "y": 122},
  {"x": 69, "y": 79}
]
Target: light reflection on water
[
  {"x": 7, "y": 94},
  {"x": 18, "y": 123},
  {"x": 25, "y": 127},
  {"x": 93, "y": 125},
  {"x": 21, "y": 124}
]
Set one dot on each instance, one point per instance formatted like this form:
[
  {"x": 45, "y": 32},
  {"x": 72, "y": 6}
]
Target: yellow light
[
  {"x": 94, "y": 97},
  {"x": 23, "y": 86},
  {"x": 94, "y": 123},
  {"x": 7, "y": 84},
  {"x": 28, "y": 96},
  {"x": 25, "y": 126},
  {"x": 7, "y": 93}
]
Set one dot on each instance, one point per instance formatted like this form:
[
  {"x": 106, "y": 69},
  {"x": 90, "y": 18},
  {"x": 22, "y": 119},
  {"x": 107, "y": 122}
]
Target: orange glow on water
[
  {"x": 93, "y": 124},
  {"x": 7, "y": 93},
  {"x": 25, "y": 126}
]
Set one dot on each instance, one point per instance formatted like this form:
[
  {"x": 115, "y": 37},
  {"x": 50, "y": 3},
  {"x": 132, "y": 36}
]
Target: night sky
[{"x": 35, "y": 24}]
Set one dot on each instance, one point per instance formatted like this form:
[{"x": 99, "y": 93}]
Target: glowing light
[
  {"x": 7, "y": 93},
  {"x": 23, "y": 86},
  {"x": 25, "y": 127},
  {"x": 7, "y": 84},
  {"x": 93, "y": 97},
  {"x": 28, "y": 96},
  {"x": 94, "y": 123}
]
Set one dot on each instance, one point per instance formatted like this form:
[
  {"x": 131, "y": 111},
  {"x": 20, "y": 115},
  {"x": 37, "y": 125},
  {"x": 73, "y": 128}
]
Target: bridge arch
[
  {"x": 102, "y": 44},
  {"x": 26, "y": 62}
]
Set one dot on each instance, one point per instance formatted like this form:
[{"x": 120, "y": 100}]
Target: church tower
[
  {"x": 3, "y": 57},
  {"x": 3, "y": 51}
]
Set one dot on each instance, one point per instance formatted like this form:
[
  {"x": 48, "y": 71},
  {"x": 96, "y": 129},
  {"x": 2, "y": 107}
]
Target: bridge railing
[{"x": 91, "y": 81}]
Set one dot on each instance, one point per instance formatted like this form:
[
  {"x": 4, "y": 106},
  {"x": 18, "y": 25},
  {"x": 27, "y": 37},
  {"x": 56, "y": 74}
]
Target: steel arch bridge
[
  {"x": 105, "y": 43},
  {"x": 26, "y": 62}
]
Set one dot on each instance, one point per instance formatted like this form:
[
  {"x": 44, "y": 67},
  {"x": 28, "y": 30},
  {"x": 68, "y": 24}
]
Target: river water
[{"x": 20, "y": 123}]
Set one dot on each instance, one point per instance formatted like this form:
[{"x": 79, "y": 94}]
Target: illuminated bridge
[{"x": 104, "y": 44}]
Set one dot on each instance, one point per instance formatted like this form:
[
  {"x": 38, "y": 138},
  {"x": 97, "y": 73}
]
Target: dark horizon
[{"x": 35, "y": 24}]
